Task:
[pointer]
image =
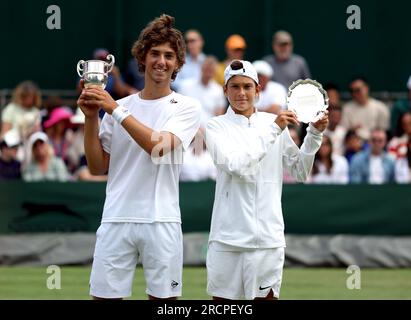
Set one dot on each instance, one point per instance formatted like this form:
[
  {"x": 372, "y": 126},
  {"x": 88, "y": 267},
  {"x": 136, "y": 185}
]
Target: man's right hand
[
  {"x": 89, "y": 110},
  {"x": 286, "y": 117}
]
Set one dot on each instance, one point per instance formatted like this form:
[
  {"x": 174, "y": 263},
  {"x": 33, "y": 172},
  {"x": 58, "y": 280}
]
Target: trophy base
[{"x": 99, "y": 84}]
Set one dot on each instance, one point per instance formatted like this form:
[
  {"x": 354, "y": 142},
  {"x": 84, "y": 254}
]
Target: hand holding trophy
[
  {"x": 308, "y": 100},
  {"x": 95, "y": 73}
]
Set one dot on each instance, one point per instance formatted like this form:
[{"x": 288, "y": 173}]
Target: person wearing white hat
[
  {"x": 273, "y": 96},
  {"x": 43, "y": 165},
  {"x": 10, "y": 167},
  {"x": 250, "y": 148}
]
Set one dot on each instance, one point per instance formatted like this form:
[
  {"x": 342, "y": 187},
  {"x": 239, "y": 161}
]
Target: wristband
[{"x": 120, "y": 113}]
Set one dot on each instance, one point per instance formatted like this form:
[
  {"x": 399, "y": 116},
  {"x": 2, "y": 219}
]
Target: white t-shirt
[
  {"x": 211, "y": 97},
  {"x": 376, "y": 170},
  {"x": 274, "y": 93},
  {"x": 138, "y": 188},
  {"x": 402, "y": 171},
  {"x": 198, "y": 167},
  {"x": 339, "y": 172},
  {"x": 21, "y": 119}
]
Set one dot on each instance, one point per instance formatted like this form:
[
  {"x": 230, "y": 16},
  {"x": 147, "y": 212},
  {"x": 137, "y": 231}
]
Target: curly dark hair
[{"x": 159, "y": 31}]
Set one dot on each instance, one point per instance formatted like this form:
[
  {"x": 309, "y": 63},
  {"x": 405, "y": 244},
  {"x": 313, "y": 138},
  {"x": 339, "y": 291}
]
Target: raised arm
[
  {"x": 299, "y": 161},
  {"x": 97, "y": 158},
  {"x": 155, "y": 143}
]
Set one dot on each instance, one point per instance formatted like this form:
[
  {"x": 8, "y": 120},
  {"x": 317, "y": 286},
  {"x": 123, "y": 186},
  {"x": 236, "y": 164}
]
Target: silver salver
[
  {"x": 307, "y": 99},
  {"x": 95, "y": 72}
]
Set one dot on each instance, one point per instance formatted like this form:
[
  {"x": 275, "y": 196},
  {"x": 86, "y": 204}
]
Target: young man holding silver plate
[
  {"x": 250, "y": 149},
  {"x": 139, "y": 143}
]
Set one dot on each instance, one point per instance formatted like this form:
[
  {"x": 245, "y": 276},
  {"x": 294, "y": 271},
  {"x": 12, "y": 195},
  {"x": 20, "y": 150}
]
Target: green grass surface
[{"x": 30, "y": 283}]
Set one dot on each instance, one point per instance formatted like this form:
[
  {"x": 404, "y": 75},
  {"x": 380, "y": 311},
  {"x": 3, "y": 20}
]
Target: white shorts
[
  {"x": 236, "y": 273},
  {"x": 118, "y": 247}
]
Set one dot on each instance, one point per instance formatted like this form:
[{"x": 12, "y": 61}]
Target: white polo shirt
[
  {"x": 250, "y": 154},
  {"x": 210, "y": 96},
  {"x": 138, "y": 188},
  {"x": 274, "y": 93}
]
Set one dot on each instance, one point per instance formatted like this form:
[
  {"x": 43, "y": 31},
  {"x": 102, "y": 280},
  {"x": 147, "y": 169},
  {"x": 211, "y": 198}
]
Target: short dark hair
[
  {"x": 331, "y": 86},
  {"x": 160, "y": 30},
  {"x": 399, "y": 131},
  {"x": 362, "y": 78},
  {"x": 350, "y": 133},
  {"x": 236, "y": 65}
]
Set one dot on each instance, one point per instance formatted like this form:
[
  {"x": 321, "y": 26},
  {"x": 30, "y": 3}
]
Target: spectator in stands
[
  {"x": 329, "y": 168},
  {"x": 10, "y": 167},
  {"x": 334, "y": 96},
  {"x": 75, "y": 150},
  {"x": 403, "y": 166},
  {"x": 399, "y": 148},
  {"x": 206, "y": 90},
  {"x": 364, "y": 113},
  {"x": 77, "y": 162},
  {"x": 57, "y": 127},
  {"x": 115, "y": 86},
  {"x": 83, "y": 172},
  {"x": 399, "y": 108},
  {"x": 235, "y": 46},
  {"x": 294, "y": 134},
  {"x": 352, "y": 144},
  {"x": 132, "y": 76},
  {"x": 287, "y": 66},
  {"x": 42, "y": 164},
  {"x": 23, "y": 113},
  {"x": 49, "y": 104},
  {"x": 273, "y": 95},
  {"x": 335, "y": 131},
  {"x": 198, "y": 164},
  {"x": 194, "y": 59},
  {"x": 373, "y": 165}
]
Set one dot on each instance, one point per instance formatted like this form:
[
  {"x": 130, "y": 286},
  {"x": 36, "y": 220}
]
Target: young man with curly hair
[{"x": 139, "y": 143}]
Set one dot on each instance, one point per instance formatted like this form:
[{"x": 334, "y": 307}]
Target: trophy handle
[
  {"x": 80, "y": 68},
  {"x": 112, "y": 60}
]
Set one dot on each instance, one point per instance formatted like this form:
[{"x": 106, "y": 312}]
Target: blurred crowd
[{"x": 367, "y": 141}]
